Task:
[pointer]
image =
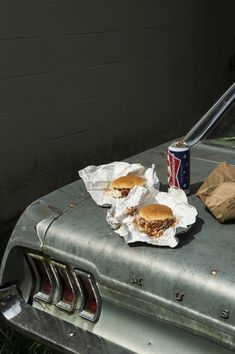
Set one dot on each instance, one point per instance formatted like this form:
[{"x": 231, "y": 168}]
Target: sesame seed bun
[
  {"x": 152, "y": 212},
  {"x": 127, "y": 182}
]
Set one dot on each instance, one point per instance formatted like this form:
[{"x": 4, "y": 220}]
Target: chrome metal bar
[
  {"x": 49, "y": 329},
  {"x": 210, "y": 118}
]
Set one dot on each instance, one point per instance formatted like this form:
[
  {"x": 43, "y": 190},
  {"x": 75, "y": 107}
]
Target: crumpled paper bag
[
  {"x": 97, "y": 179},
  {"x": 121, "y": 218},
  {"x": 218, "y": 192}
]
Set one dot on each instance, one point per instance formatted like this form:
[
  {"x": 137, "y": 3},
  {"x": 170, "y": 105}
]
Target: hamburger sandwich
[
  {"x": 154, "y": 219},
  {"x": 121, "y": 186}
]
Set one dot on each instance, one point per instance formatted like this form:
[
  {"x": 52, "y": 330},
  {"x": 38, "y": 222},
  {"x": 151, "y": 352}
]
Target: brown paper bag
[{"x": 218, "y": 192}]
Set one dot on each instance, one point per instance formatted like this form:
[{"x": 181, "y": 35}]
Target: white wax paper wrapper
[
  {"x": 98, "y": 178},
  {"x": 119, "y": 218}
]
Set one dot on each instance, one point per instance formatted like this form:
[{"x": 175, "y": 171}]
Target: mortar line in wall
[
  {"x": 109, "y": 63},
  {"x": 38, "y": 176},
  {"x": 124, "y": 118},
  {"x": 145, "y": 28},
  {"x": 82, "y": 68},
  {"x": 95, "y": 97}
]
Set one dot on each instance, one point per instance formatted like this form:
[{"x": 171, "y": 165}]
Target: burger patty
[{"x": 156, "y": 227}]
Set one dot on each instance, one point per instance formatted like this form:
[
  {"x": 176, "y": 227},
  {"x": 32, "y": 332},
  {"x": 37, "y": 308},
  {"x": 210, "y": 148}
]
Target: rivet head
[
  {"x": 224, "y": 314},
  {"x": 71, "y": 334},
  {"x": 214, "y": 272}
]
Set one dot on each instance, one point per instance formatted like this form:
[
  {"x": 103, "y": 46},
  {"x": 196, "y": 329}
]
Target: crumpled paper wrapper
[
  {"x": 120, "y": 217},
  {"x": 98, "y": 178},
  {"x": 218, "y": 192}
]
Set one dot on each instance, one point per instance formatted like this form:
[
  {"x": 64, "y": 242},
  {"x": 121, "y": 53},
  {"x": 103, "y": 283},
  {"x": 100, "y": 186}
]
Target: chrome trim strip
[
  {"x": 75, "y": 281},
  {"x": 70, "y": 307},
  {"x": 83, "y": 312},
  {"x": 39, "y": 295},
  {"x": 81, "y": 298},
  {"x": 198, "y": 131}
]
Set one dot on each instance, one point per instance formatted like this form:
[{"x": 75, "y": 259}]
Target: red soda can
[{"x": 178, "y": 164}]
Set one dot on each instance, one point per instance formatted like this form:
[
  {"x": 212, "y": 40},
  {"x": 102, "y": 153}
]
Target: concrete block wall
[{"x": 89, "y": 82}]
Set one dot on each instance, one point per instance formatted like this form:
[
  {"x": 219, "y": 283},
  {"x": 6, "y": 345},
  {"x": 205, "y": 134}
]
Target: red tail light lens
[
  {"x": 55, "y": 283},
  {"x": 92, "y": 302},
  {"x": 68, "y": 293},
  {"x": 44, "y": 281}
]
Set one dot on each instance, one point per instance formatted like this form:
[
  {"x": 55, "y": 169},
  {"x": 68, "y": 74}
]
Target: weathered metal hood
[
  {"x": 200, "y": 268},
  {"x": 192, "y": 285}
]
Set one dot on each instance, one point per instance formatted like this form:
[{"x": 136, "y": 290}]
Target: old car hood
[{"x": 196, "y": 279}]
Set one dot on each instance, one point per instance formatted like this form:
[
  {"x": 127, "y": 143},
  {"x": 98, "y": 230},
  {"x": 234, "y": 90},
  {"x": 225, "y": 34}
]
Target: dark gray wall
[{"x": 87, "y": 82}]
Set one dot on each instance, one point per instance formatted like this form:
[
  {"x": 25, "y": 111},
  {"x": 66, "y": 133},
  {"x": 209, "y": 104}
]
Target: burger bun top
[
  {"x": 152, "y": 212},
  {"x": 127, "y": 182}
]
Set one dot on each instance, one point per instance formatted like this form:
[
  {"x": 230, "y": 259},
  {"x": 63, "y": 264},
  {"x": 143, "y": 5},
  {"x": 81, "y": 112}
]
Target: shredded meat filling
[
  {"x": 124, "y": 191},
  {"x": 154, "y": 228},
  {"x": 132, "y": 210}
]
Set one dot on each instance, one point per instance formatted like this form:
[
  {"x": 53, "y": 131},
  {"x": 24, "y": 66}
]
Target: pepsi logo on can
[{"x": 178, "y": 163}]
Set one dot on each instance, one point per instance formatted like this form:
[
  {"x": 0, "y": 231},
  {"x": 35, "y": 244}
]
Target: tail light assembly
[
  {"x": 68, "y": 290},
  {"x": 44, "y": 285},
  {"x": 91, "y": 305},
  {"x": 68, "y": 294}
]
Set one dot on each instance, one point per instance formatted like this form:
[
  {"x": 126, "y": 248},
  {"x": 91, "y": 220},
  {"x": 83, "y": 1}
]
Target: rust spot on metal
[
  {"x": 54, "y": 209},
  {"x": 163, "y": 154},
  {"x": 72, "y": 205}
]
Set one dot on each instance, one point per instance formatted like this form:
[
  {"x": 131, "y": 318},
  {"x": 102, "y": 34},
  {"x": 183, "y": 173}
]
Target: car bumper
[{"x": 59, "y": 334}]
